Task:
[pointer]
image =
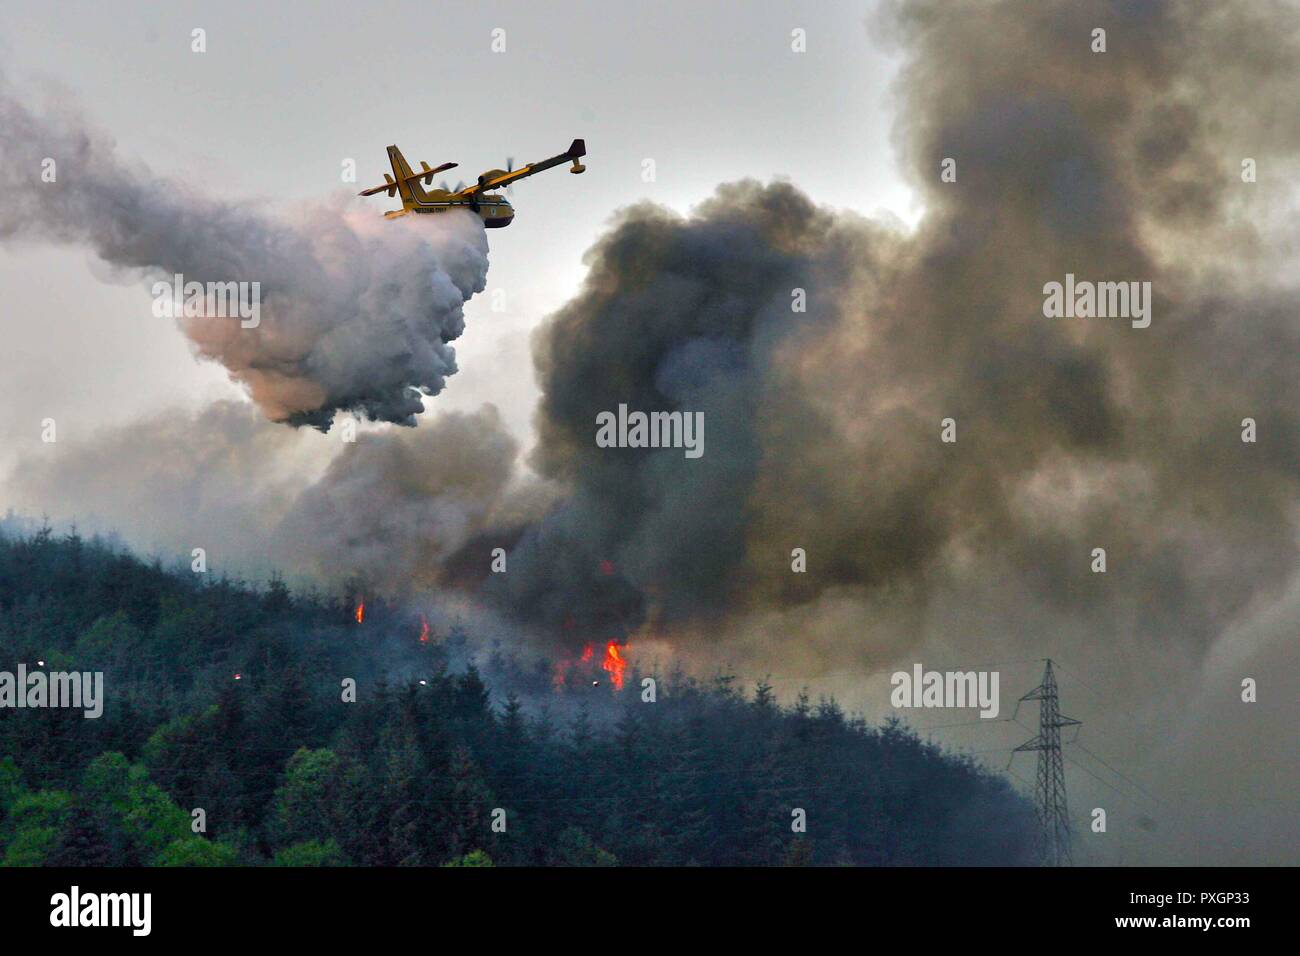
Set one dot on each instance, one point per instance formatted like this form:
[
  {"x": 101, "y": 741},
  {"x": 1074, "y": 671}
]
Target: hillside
[{"x": 410, "y": 774}]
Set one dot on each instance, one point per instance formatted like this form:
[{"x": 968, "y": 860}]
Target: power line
[
  {"x": 1100, "y": 780},
  {"x": 1133, "y": 783}
]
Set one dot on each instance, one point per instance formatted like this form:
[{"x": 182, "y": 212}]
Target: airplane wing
[
  {"x": 390, "y": 184},
  {"x": 390, "y": 187},
  {"x": 488, "y": 181}
]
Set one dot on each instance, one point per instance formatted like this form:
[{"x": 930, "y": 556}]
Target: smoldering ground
[
  {"x": 824, "y": 425},
  {"x": 356, "y": 313}
]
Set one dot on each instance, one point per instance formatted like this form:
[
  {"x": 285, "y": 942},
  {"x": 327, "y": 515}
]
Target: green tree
[
  {"x": 306, "y": 802},
  {"x": 574, "y": 847},
  {"x": 138, "y": 817},
  {"x": 196, "y": 851},
  {"x": 472, "y": 858},
  {"x": 36, "y": 826},
  {"x": 311, "y": 853}
]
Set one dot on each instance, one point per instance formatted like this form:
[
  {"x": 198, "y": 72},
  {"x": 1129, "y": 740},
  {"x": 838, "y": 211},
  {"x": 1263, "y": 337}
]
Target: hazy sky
[
  {"x": 712, "y": 93},
  {"x": 286, "y": 91}
]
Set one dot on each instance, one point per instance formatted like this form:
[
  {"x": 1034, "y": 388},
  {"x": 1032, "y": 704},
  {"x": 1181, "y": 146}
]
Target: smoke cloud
[
  {"x": 1072, "y": 434},
  {"x": 824, "y": 425},
  {"x": 357, "y": 313},
  {"x": 396, "y": 508},
  {"x": 221, "y": 479}
]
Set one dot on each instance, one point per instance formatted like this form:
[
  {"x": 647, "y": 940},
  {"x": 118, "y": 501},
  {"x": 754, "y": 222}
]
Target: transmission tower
[{"x": 1049, "y": 792}]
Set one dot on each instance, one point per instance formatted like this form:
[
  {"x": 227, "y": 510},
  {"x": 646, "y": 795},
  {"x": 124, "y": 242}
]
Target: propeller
[
  {"x": 460, "y": 184},
  {"x": 510, "y": 168}
]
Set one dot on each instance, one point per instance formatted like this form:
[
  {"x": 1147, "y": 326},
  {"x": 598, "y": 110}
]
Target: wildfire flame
[
  {"x": 360, "y": 613},
  {"x": 424, "y": 630},
  {"x": 614, "y": 664}
]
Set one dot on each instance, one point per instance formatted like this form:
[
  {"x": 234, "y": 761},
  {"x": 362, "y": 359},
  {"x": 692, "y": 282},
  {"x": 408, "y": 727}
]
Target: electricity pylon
[{"x": 1049, "y": 793}]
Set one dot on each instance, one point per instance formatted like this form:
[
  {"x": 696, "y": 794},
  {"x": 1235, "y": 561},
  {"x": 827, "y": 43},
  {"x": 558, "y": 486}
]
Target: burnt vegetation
[{"x": 289, "y": 774}]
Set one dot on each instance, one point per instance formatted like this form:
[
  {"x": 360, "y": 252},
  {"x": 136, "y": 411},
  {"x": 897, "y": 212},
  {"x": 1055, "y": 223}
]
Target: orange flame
[
  {"x": 361, "y": 612},
  {"x": 424, "y": 629},
  {"x": 560, "y": 676},
  {"x": 615, "y": 664}
]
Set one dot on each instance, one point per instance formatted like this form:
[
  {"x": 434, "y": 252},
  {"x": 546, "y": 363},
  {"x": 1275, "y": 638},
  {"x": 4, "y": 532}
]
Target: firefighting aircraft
[{"x": 495, "y": 211}]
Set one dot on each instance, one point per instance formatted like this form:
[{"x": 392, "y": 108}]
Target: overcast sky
[
  {"x": 711, "y": 92},
  {"x": 287, "y": 91}
]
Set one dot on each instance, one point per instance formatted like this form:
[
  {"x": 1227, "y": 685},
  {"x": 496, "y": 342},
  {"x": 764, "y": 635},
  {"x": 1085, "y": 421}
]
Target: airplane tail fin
[
  {"x": 407, "y": 181},
  {"x": 577, "y": 148}
]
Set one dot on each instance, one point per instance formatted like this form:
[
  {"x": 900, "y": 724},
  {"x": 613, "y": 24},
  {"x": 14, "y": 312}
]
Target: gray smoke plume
[
  {"x": 823, "y": 427},
  {"x": 221, "y": 479},
  {"x": 356, "y": 312},
  {"x": 394, "y": 509}
]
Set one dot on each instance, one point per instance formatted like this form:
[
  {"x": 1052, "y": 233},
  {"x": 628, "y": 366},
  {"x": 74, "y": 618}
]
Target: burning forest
[
  {"x": 517, "y": 609},
  {"x": 450, "y": 722}
]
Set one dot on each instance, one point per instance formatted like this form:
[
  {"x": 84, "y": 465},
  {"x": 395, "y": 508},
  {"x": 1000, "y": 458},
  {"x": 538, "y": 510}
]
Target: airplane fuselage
[
  {"x": 481, "y": 199},
  {"x": 494, "y": 210}
]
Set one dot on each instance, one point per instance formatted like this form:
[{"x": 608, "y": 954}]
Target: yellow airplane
[{"x": 493, "y": 208}]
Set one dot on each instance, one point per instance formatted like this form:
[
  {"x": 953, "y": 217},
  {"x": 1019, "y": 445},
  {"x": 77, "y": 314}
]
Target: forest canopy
[{"x": 229, "y": 698}]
